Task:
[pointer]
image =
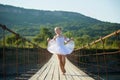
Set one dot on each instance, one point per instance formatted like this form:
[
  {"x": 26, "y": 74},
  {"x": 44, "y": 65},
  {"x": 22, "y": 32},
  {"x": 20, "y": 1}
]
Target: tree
[
  {"x": 10, "y": 40},
  {"x": 86, "y": 38},
  {"x": 1, "y": 43},
  {"x": 20, "y": 42},
  {"x": 42, "y": 36},
  {"x": 69, "y": 34}
]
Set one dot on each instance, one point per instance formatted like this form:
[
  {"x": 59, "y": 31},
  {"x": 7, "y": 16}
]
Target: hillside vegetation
[{"x": 28, "y": 23}]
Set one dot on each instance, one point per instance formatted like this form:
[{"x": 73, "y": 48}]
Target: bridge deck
[{"x": 51, "y": 71}]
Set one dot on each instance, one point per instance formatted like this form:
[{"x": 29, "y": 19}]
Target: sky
[{"x": 104, "y": 10}]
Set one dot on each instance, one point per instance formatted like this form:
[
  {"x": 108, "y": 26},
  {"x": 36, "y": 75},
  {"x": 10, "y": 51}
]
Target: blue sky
[{"x": 104, "y": 10}]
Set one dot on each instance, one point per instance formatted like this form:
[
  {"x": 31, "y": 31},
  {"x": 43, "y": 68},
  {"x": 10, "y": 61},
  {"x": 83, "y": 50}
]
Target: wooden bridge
[
  {"x": 31, "y": 62},
  {"x": 51, "y": 71}
]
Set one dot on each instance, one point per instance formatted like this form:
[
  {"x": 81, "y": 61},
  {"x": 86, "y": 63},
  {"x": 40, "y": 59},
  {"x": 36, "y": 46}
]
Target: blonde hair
[{"x": 57, "y": 28}]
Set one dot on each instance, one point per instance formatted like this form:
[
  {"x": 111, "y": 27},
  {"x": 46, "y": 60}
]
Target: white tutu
[{"x": 58, "y": 46}]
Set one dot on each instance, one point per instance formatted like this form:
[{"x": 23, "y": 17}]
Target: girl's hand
[
  {"x": 48, "y": 39},
  {"x": 68, "y": 40},
  {"x": 72, "y": 38}
]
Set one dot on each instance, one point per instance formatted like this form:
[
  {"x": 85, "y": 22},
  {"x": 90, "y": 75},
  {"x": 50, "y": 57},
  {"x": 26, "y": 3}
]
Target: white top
[{"x": 58, "y": 46}]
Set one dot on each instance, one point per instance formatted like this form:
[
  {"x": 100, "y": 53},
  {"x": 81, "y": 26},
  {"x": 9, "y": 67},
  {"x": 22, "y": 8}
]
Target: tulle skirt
[{"x": 61, "y": 49}]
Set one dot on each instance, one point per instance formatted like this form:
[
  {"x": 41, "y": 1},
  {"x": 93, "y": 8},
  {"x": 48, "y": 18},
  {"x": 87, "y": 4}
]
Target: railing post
[
  {"x": 118, "y": 38},
  {"x": 4, "y": 45},
  {"x": 84, "y": 53},
  {"x": 28, "y": 55},
  {"x": 24, "y": 55},
  {"x": 103, "y": 47},
  {"x": 17, "y": 37},
  {"x": 81, "y": 52},
  {"x": 38, "y": 57},
  {"x": 98, "y": 77},
  {"x": 79, "y": 58}
]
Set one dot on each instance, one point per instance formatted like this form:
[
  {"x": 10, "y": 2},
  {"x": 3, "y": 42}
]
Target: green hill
[{"x": 27, "y": 22}]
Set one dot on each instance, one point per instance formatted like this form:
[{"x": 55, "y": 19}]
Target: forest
[{"x": 38, "y": 25}]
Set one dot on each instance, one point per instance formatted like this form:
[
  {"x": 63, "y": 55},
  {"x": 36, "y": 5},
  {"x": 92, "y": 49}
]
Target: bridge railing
[
  {"x": 100, "y": 57},
  {"x": 18, "y": 55}
]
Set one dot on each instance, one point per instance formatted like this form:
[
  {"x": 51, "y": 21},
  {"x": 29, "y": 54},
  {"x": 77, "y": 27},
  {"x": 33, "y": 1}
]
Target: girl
[{"x": 61, "y": 46}]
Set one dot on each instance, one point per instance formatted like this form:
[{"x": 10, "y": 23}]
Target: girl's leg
[
  {"x": 60, "y": 62},
  {"x": 64, "y": 61}
]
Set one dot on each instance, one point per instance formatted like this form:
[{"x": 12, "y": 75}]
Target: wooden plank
[
  {"x": 72, "y": 71},
  {"x": 79, "y": 72},
  {"x": 45, "y": 71},
  {"x": 68, "y": 72},
  {"x": 52, "y": 71},
  {"x": 56, "y": 73},
  {"x": 62, "y": 77},
  {"x": 68, "y": 75},
  {"x": 40, "y": 71}
]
